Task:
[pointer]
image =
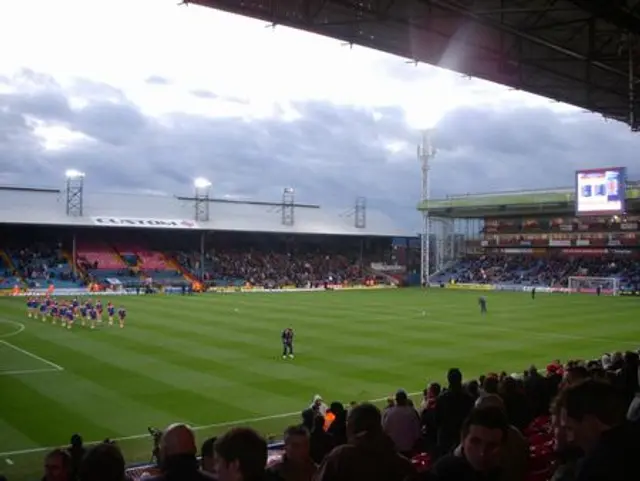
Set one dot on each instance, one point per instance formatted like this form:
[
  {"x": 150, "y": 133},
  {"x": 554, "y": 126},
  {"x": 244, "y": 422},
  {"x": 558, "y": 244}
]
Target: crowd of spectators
[
  {"x": 274, "y": 269},
  {"x": 41, "y": 264},
  {"x": 536, "y": 271},
  {"x": 578, "y": 421}
]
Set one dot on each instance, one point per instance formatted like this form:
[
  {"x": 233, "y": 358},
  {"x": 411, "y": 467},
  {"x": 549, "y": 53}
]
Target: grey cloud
[
  {"x": 331, "y": 154},
  {"x": 203, "y": 94},
  {"x": 157, "y": 80}
]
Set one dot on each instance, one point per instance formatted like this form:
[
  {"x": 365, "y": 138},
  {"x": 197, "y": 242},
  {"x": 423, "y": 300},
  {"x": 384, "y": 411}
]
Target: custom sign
[{"x": 143, "y": 222}]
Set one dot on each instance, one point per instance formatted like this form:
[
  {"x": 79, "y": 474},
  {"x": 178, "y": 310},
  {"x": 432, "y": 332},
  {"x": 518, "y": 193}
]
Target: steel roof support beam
[
  {"x": 607, "y": 10},
  {"x": 455, "y": 6}
]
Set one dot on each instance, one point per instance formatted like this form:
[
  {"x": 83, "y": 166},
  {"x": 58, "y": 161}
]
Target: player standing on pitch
[
  {"x": 482, "y": 301},
  {"x": 287, "y": 343},
  {"x": 533, "y": 293}
]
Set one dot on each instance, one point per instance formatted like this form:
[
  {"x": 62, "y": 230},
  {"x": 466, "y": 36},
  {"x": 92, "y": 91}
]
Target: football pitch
[{"x": 214, "y": 360}]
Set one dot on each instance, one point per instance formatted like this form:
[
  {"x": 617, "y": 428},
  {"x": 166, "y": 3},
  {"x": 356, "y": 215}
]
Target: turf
[{"x": 214, "y": 360}]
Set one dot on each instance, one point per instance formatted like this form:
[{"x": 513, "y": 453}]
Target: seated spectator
[
  {"x": 484, "y": 434},
  {"x": 57, "y": 466},
  {"x": 515, "y": 449},
  {"x": 178, "y": 456},
  {"x": 567, "y": 454},
  {"x": 402, "y": 424},
  {"x": 207, "y": 456},
  {"x": 296, "y": 463},
  {"x": 241, "y": 455},
  {"x": 321, "y": 442},
  {"x": 369, "y": 455},
  {"x": 594, "y": 415},
  {"x": 103, "y": 462}
]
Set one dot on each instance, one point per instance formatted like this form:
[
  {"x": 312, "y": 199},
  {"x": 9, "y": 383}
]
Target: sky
[{"x": 146, "y": 95}]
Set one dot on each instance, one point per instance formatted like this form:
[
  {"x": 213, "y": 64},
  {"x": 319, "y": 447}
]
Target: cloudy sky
[{"x": 145, "y": 95}]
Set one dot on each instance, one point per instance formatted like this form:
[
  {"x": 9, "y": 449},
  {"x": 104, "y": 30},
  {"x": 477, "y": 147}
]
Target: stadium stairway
[
  {"x": 7, "y": 260},
  {"x": 173, "y": 263},
  {"x": 79, "y": 269}
]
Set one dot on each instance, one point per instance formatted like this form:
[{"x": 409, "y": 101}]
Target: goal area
[{"x": 589, "y": 285}]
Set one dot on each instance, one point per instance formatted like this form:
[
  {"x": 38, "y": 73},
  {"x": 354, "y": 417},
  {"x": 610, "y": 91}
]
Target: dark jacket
[
  {"x": 368, "y": 458},
  {"x": 321, "y": 444},
  {"x": 182, "y": 468},
  {"x": 457, "y": 468},
  {"x": 616, "y": 456},
  {"x": 452, "y": 408},
  {"x": 283, "y": 470}
]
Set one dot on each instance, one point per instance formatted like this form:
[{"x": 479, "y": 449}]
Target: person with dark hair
[
  {"x": 452, "y": 408},
  {"x": 241, "y": 455},
  {"x": 207, "y": 456},
  {"x": 103, "y": 462},
  {"x": 593, "y": 413},
  {"x": 296, "y": 463},
  {"x": 402, "y": 424},
  {"x": 77, "y": 452},
  {"x": 57, "y": 466},
  {"x": 308, "y": 416},
  {"x": 369, "y": 455},
  {"x": 483, "y": 435},
  {"x": 338, "y": 427},
  {"x": 321, "y": 442}
]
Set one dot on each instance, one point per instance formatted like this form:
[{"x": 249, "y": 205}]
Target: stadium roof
[
  {"x": 531, "y": 202},
  {"x": 19, "y": 205}
]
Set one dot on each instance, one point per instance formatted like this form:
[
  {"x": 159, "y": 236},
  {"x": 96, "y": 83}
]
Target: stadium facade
[
  {"x": 541, "y": 223},
  {"x": 110, "y": 237}
]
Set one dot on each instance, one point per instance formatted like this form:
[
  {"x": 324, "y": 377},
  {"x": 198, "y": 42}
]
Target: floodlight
[
  {"x": 73, "y": 174},
  {"x": 289, "y": 190},
  {"x": 201, "y": 183}
]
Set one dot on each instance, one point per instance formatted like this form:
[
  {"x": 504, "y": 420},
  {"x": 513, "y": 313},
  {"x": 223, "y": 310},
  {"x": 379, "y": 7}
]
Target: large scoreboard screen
[{"x": 600, "y": 191}]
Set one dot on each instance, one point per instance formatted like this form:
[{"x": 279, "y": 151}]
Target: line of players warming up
[{"x": 88, "y": 313}]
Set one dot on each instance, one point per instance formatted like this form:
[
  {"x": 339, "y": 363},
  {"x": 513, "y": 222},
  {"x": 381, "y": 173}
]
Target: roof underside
[
  {"x": 573, "y": 51},
  {"x": 48, "y": 207}
]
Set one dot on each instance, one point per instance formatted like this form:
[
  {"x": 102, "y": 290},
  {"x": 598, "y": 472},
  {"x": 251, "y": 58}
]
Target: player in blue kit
[
  {"x": 99, "y": 309},
  {"x": 54, "y": 313},
  {"x": 63, "y": 314},
  {"x": 74, "y": 307},
  {"x": 43, "y": 311},
  {"x": 82, "y": 314},
  {"x": 122, "y": 313},
  {"x": 93, "y": 316},
  {"x": 111, "y": 312},
  {"x": 70, "y": 317},
  {"x": 287, "y": 343},
  {"x": 482, "y": 302},
  {"x": 30, "y": 307}
]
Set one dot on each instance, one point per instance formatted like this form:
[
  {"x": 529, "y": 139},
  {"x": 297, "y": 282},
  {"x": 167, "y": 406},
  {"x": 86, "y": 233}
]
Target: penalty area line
[
  {"x": 195, "y": 428},
  {"x": 55, "y": 366}
]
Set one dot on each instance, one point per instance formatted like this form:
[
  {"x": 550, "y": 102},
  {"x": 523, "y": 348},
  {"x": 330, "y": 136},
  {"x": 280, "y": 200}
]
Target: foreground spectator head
[
  {"x": 208, "y": 458},
  {"x": 364, "y": 420},
  {"x": 483, "y": 434},
  {"x": 296, "y": 444},
  {"x": 576, "y": 374},
  {"x": 241, "y": 455},
  {"x": 57, "y": 466},
  {"x": 177, "y": 440},
  {"x": 103, "y": 462},
  {"x": 588, "y": 409},
  {"x": 454, "y": 378}
]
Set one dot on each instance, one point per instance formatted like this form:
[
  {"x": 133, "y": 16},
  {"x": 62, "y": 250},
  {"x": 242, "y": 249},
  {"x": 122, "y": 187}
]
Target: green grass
[{"x": 214, "y": 360}]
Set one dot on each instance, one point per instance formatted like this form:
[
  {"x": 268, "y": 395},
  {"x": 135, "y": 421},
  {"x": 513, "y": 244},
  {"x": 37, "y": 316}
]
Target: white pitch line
[
  {"x": 195, "y": 428},
  {"x": 21, "y": 327},
  {"x": 34, "y": 356},
  {"x": 27, "y": 371}
]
